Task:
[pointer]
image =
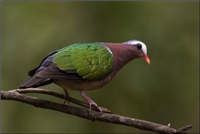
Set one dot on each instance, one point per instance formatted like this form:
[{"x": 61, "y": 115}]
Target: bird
[{"x": 85, "y": 66}]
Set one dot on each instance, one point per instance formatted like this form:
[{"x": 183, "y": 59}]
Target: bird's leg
[
  {"x": 66, "y": 96},
  {"x": 90, "y": 101}
]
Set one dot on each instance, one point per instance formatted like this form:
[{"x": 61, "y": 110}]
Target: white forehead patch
[{"x": 135, "y": 42}]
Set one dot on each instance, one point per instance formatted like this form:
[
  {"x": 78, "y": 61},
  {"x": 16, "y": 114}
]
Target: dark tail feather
[{"x": 35, "y": 82}]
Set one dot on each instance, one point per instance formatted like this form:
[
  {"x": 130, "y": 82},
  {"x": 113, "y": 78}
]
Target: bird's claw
[
  {"x": 95, "y": 105},
  {"x": 99, "y": 109},
  {"x": 65, "y": 97},
  {"x": 91, "y": 102}
]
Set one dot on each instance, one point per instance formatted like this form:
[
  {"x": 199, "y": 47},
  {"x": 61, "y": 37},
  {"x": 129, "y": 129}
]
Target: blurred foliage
[{"x": 167, "y": 91}]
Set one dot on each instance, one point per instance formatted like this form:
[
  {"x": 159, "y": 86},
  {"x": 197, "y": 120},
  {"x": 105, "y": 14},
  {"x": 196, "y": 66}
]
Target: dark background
[{"x": 166, "y": 91}]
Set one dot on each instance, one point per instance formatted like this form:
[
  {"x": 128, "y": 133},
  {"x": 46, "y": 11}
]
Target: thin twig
[
  {"x": 55, "y": 94},
  {"x": 83, "y": 113},
  {"x": 185, "y": 128}
]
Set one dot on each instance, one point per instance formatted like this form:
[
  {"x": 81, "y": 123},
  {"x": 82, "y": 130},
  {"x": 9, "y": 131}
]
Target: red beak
[{"x": 147, "y": 59}]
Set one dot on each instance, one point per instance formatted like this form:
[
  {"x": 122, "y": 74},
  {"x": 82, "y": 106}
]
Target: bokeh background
[{"x": 167, "y": 91}]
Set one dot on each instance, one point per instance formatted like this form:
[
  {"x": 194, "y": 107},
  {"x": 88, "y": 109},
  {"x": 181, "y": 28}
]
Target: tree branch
[
  {"x": 69, "y": 99},
  {"x": 83, "y": 113}
]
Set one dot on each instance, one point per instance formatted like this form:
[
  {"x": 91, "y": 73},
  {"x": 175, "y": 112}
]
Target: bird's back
[{"x": 91, "y": 61}]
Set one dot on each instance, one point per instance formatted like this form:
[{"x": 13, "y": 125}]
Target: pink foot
[
  {"x": 66, "y": 96},
  {"x": 90, "y": 101}
]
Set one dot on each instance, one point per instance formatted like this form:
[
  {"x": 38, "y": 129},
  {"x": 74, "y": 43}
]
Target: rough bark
[{"x": 105, "y": 116}]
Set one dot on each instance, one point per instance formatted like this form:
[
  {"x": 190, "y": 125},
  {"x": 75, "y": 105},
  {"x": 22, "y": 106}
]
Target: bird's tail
[{"x": 34, "y": 82}]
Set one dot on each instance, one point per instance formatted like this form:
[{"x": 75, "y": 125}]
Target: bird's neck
[{"x": 122, "y": 54}]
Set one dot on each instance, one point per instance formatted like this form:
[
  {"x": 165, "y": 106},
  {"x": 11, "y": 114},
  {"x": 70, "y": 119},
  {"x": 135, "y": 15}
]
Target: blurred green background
[{"x": 167, "y": 91}]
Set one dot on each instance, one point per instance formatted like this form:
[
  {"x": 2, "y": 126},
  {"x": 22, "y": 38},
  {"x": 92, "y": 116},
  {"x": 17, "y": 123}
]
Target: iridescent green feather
[{"x": 91, "y": 61}]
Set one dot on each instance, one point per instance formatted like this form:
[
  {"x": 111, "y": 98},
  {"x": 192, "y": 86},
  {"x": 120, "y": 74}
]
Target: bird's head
[{"x": 140, "y": 47}]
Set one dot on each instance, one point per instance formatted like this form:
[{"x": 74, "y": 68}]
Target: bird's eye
[{"x": 139, "y": 46}]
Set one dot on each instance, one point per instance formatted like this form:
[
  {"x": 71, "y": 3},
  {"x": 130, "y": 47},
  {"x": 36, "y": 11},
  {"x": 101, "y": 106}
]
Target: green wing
[{"x": 90, "y": 61}]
